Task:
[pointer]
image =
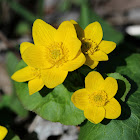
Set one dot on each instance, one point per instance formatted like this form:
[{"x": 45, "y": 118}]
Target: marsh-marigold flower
[
  {"x": 94, "y": 48},
  {"x": 97, "y": 98},
  {"x": 3, "y": 132},
  {"x": 53, "y": 54}
]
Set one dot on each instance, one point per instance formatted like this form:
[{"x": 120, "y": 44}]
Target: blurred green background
[{"x": 16, "y": 19}]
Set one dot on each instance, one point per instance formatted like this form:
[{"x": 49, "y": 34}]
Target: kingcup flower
[
  {"x": 3, "y": 132},
  {"x": 97, "y": 98},
  {"x": 94, "y": 48},
  {"x": 54, "y": 53}
]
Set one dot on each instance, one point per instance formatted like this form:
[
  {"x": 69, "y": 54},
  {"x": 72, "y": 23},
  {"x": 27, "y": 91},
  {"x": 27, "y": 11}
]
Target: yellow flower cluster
[
  {"x": 3, "y": 132},
  {"x": 55, "y": 52}
]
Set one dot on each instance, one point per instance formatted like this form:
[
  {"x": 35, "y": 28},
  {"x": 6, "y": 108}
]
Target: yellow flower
[
  {"x": 3, "y": 132},
  {"x": 53, "y": 54},
  {"x": 97, "y": 98},
  {"x": 94, "y": 48}
]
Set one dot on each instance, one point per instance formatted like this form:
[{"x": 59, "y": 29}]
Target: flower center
[
  {"x": 57, "y": 54},
  {"x": 89, "y": 46},
  {"x": 99, "y": 98},
  {"x": 86, "y": 45}
]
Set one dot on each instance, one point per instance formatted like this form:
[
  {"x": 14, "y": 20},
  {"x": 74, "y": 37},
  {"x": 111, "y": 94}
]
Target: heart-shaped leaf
[
  {"x": 54, "y": 105},
  {"x": 123, "y": 85}
]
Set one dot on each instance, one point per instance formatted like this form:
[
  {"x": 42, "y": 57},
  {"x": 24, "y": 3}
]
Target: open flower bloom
[
  {"x": 3, "y": 132},
  {"x": 54, "y": 53},
  {"x": 94, "y": 48},
  {"x": 97, "y": 98}
]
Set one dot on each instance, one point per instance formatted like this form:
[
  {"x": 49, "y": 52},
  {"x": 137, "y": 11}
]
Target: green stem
[
  {"x": 19, "y": 9},
  {"x": 84, "y": 18},
  {"x": 40, "y": 8}
]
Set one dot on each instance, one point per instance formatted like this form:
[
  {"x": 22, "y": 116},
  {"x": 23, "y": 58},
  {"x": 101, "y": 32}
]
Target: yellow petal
[
  {"x": 107, "y": 46},
  {"x": 73, "y": 21},
  {"x": 89, "y": 62},
  {"x": 43, "y": 33},
  {"x": 24, "y": 74},
  {"x": 94, "y": 114},
  {"x": 35, "y": 85},
  {"x": 53, "y": 77},
  {"x": 99, "y": 56},
  {"x": 79, "y": 30},
  {"x": 94, "y": 81},
  {"x": 80, "y": 98},
  {"x": 110, "y": 87},
  {"x": 24, "y": 46},
  {"x": 3, "y": 132},
  {"x": 113, "y": 109},
  {"x": 73, "y": 46},
  {"x": 67, "y": 35},
  {"x": 36, "y": 57},
  {"x": 94, "y": 32},
  {"x": 65, "y": 31},
  {"x": 75, "y": 63}
]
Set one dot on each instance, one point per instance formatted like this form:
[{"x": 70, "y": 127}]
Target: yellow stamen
[
  {"x": 89, "y": 46},
  {"x": 98, "y": 98},
  {"x": 57, "y": 54}
]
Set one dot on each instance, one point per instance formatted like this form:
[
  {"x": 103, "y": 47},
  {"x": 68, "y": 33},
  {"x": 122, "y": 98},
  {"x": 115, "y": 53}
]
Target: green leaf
[
  {"x": 127, "y": 126},
  {"x": 85, "y": 18},
  {"x": 40, "y": 8},
  {"x": 13, "y": 104},
  {"x": 65, "y": 5},
  {"x": 123, "y": 85},
  {"x": 22, "y": 28},
  {"x": 11, "y": 62},
  {"x": 88, "y": 16},
  {"x": 54, "y": 105},
  {"x": 11, "y": 135},
  {"x": 16, "y": 138},
  {"x": 19, "y": 9},
  {"x": 11, "y": 101}
]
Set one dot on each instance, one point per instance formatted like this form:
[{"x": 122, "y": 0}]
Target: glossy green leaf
[
  {"x": 123, "y": 85},
  {"x": 54, "y": 105},
  {"x": 13, "y": 104},
  {"x": 11, "y": 101},
  {"x": 11, "y": 62},
  {"x": 127, "y": 125},
  {"x": 15, "y": 138}
]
